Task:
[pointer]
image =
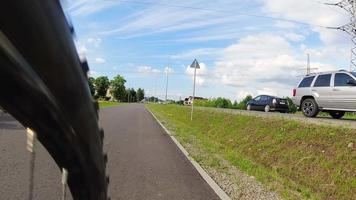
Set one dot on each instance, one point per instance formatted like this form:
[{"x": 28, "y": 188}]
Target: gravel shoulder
[
  {"x": 237, "y": 184},
  {"x": 346, "y": 123}
]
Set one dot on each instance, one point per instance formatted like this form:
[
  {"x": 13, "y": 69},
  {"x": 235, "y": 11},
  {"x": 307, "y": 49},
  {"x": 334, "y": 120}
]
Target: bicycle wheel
[{"x": 44, "y": 86}]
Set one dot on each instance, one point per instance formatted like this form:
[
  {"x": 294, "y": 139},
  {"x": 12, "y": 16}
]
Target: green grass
[
  {"x": 104, "y": 104},
  {"x": 299, "y": 161}
]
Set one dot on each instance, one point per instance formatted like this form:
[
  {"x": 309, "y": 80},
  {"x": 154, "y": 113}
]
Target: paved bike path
[
  {"x": 15, "y": 166},
  {"x": 144, "y": 163}
]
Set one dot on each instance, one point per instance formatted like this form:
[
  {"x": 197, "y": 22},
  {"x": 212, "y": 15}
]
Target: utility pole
[
  {"x": 167, "y": 71},
  {"x": 196, "y": 66},
  {"x": 309, "y": 68},
  {"x": 154, "y": 91},
  {"x": 308, "y": 64},
  {"x": 350, "y": 7}
]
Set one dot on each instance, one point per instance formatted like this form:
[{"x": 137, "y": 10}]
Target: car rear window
[
  {"x": 306, "y": 82},
  {"x": 323, "y": 81}
]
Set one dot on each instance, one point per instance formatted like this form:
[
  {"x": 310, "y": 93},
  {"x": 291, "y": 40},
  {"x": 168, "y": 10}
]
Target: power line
[
  {"x": 218, "y": 11},
  {"x": 231, "y": 13}
]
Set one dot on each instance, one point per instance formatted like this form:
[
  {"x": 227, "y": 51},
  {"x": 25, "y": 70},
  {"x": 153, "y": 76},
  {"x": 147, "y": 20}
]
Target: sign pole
[
  {"x": 195, "y": 74},
  {"x": 166, "y": 86},
  {"x": 196, "y": 66}
]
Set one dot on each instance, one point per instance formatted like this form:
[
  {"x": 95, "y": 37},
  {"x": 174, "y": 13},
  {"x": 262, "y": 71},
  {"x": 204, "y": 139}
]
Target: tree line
[
  {"x": 221, "y": 102},
  {"x": 104, "y": 89}
]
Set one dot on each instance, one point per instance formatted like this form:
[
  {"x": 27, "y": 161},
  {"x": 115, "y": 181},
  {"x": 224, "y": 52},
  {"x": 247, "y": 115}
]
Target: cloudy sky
[{"x": 243, "y": 46}]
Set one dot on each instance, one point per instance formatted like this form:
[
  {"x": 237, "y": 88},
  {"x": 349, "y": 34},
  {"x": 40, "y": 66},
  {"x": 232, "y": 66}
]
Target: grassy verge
[
  {"x": 299, "y": 161},
  {"x": 104, "y": 104}
]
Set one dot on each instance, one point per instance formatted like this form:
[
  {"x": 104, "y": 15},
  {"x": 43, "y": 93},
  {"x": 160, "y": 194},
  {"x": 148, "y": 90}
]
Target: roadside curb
[{"x": 217, "y": 189}]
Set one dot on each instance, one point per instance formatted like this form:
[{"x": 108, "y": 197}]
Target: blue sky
[{"x": 243, "y": 46}]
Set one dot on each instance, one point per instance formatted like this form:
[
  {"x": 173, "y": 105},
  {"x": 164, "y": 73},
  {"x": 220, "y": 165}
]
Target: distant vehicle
[
  {"x": 188, "y": 101},
  {"x": 268, "y": 103},
  {"x": 332, "y": 92}
]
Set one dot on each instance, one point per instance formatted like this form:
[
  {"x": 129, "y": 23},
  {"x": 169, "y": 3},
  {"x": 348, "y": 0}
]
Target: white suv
[{"x": 333, "y": 92}]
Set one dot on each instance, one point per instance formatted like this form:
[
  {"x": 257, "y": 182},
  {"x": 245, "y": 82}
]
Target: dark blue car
[{"x": 268, "y": 103}]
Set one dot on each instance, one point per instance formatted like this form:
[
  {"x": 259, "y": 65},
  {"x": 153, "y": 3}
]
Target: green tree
[
  {"x": 117, "y": 89},
  {"x": 242, "y": 104},
  {"x": 101, "y": 86},
  {"x": 133, "y": 95},
  {"x": 180, "y": 102},
  {"x": 140, "y": 94},
  {"x": 223, "y": 103},
  {"x": 91, "y": 81},
  {"x": 153, "y": 99},
  {"x": 130, "y": 95},
  {"x": 292, "y": 108},
  {"x": 234, "y": 105}
]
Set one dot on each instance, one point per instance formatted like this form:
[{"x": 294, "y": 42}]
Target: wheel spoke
[
  {"x": 64, "y": 183},
  {"x": 31, "y": 141}
]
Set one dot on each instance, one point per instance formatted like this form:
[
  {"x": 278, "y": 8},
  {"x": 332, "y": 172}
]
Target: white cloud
[
  {"x": 95, "y": 41},
  {"x": 285, "y": 25},
  {"x": 201, "y": 74},
  {"x": 267, "y": 91},
  {"x": 167, "y": 16},
  {"x": 328, "y": 54},
  {"x": 268, "y": 62},
  {"x": 242, "y": 94},
  {"x": 294, "y": 37},
  {"x": 89, "y": 46},
  {"x": 100, "y": 60},
  {"x": 87, "y": 7},
  {"x": 197, "y": 53},
  {"x": 93, "y": 73},
  {"x": 309, "y": 12},
  {"x": 81, "y": 49},
  {"x": 148, "y": 70},
  {"x": 168, "y": 70},
  {"x": 263, "y": 63}
]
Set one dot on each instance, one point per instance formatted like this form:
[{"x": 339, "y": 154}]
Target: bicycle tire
[{"x": 44, "y": 86}]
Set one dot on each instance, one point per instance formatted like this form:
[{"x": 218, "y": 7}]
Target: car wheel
[
  {"x": 337, "y": 114},
  {"x": 267, "y": 108},
  {"x": 248, "y": 107},
  {"x": 310, "y": 108}
]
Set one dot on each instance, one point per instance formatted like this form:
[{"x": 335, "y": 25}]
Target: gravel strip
[
  {"x": 236, "y": 184},
  {"x": 346, "y": 123}
]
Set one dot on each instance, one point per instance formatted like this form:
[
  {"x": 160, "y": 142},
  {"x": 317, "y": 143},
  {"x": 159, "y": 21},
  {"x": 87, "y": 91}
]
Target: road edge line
[{"x": 217, "y": 189}]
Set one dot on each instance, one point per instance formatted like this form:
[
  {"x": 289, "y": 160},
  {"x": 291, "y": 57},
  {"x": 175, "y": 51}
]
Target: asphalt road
[
  {"x": 143, "y": 161},
  {"x": 15, "y": 165}
]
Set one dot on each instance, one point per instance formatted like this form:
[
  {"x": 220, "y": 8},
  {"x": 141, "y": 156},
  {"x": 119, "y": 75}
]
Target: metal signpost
[
  {"x": 196, "y": 66},
  {"x": 167, "y": 71}
]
